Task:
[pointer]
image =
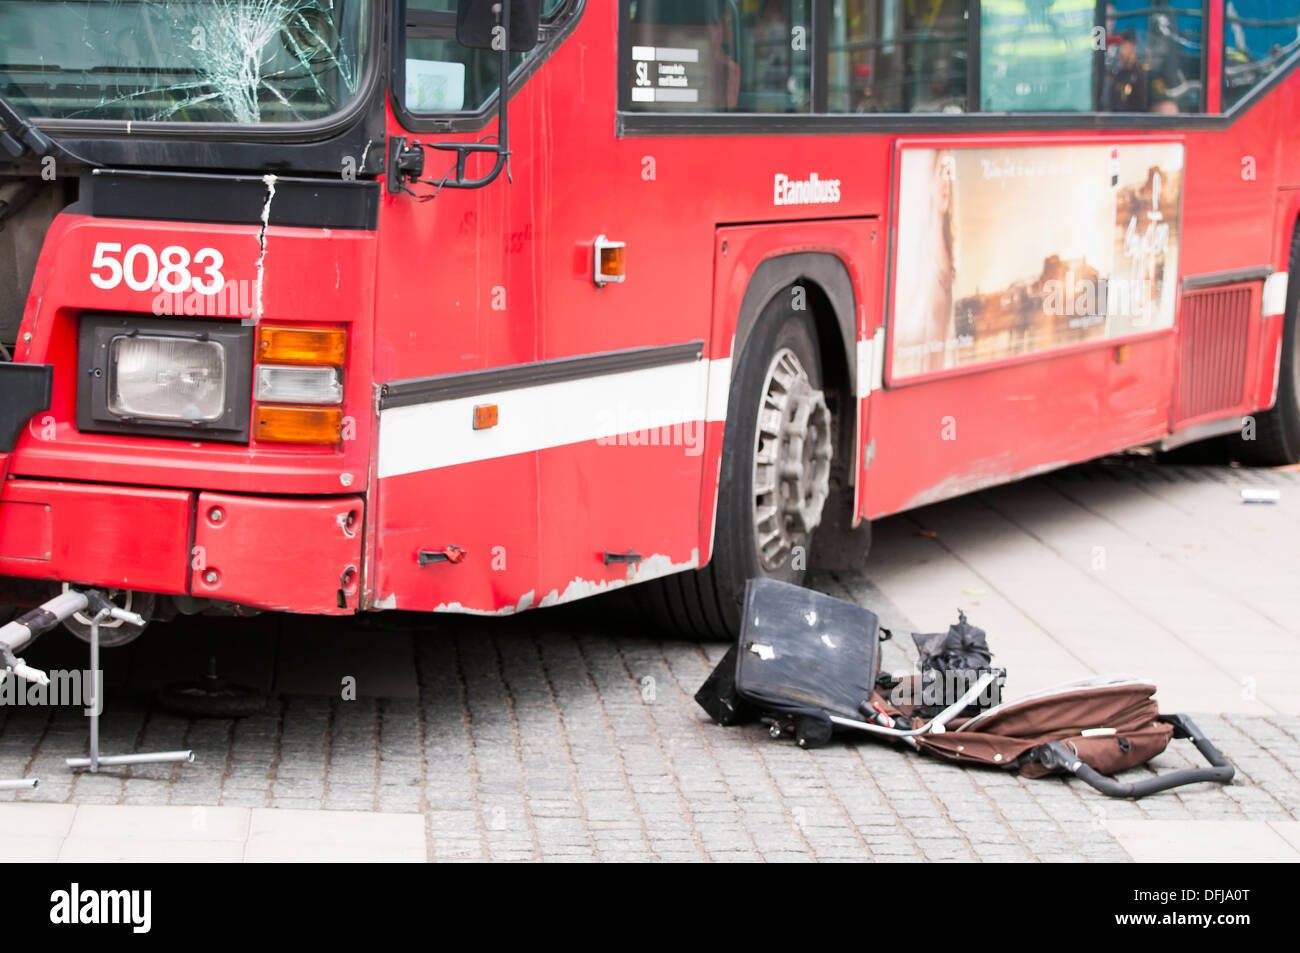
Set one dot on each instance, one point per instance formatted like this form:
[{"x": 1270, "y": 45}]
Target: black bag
[
  {"x": 963, "y": 648},
  {"x": 718, "y": 695},
  {"x": 801, "y": 657},
  {"x": 950, "y": 663}
]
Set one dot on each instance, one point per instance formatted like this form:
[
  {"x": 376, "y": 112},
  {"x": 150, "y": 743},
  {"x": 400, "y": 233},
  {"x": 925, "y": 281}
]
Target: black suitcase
[{"x": 801, "y": 657}]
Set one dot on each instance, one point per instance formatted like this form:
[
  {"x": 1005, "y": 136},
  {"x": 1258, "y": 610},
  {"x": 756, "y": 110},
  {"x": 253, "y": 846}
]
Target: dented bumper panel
[{"x": 286, "y": 554}]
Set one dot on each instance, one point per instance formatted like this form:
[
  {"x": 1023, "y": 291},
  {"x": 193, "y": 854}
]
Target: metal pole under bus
[
  {"x": 21, "y": 631},
  {"x": 96, "y": 759}
]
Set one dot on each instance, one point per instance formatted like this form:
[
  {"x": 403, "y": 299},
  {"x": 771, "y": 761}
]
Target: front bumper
[{"x": 287, "y": 554}]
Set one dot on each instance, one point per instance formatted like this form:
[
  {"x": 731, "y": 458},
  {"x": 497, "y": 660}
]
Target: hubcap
[{"x": 792, "y": 461}]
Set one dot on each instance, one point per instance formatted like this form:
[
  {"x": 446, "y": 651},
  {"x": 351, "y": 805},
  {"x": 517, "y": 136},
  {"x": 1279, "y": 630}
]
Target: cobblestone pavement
[{"x": 571, "y": 734}]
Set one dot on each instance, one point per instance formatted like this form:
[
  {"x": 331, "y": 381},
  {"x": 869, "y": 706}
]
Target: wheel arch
[
  {"x": 841, "y": 541},
  {"x": 831, "y": 302}
]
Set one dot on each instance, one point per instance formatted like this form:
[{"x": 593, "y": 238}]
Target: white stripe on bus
[{"x": 439, "y": 434}]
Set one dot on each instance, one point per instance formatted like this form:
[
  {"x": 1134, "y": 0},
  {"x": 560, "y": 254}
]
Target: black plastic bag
[
  {"x": 951, "y": 662},
  {"x": 963, "y": 648}
]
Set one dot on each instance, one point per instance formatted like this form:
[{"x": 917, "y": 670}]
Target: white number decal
[
  {"x": 213, "y": 271},
  {"x": 143, "y": 269},
  {"x": 133, "y": 254},
  {"x": 112, "y": 264},
  {"x": 174, "y": 273}
]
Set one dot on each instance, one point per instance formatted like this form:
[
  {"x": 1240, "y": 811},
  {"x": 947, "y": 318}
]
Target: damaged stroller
[{"x": 808, "y": 666}]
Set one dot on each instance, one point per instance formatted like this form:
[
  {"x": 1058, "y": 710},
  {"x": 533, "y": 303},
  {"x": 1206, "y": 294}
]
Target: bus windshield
[{"x": 243, "y": 61}]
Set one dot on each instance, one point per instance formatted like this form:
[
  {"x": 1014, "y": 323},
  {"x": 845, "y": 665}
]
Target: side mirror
[
  {"x": 505, "y": 27},
  {"x": 479, "y": 27}
]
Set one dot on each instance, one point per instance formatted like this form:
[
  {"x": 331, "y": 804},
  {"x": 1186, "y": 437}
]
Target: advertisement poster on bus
[{"x": 1003, "y": 252}]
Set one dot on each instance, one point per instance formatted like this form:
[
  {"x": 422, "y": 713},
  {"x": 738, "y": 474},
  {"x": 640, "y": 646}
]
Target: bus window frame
[
  {"x": 555, "y": 30},
  {"x": 631, "y": 123},
  {"x": 888, "y": 380}
]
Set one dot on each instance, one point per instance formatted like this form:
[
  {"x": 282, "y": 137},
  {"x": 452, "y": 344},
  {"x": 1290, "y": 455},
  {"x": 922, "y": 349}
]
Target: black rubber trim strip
[
  {"x": 25, "y": 390},
  {"x": 1233, "y": 276},
  {"x": 427, "y": 390},
  {"x": 234, "y": 199},
  {"x": 630, "y": 124}
]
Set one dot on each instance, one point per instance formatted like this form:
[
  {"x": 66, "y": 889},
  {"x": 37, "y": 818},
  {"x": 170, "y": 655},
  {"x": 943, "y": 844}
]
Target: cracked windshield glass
[{"x": 245, "y": 61}]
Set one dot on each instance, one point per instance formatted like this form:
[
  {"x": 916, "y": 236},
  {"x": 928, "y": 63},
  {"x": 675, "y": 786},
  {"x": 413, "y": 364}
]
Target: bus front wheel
[{"x": 773, "y": 482}]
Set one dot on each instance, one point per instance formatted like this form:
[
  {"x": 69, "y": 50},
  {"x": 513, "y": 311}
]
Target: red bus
[{"x": 302, "y": 314}]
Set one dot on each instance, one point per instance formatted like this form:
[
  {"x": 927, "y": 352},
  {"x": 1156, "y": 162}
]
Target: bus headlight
[{"x": 166, "y": 378}]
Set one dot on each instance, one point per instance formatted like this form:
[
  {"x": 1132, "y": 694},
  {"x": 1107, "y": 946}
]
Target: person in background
[
  {"x": 772, "y": 50},
  {"x": 1127, "y": 86}
]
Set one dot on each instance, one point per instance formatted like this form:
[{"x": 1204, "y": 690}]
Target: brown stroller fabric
[
  {"x": 1091, "y": 728},
  {"x": 1109, "y": 728}
]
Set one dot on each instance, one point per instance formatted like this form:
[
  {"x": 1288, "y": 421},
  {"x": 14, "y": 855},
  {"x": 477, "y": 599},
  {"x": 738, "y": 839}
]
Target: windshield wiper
[{"x": 20, "y": 134}]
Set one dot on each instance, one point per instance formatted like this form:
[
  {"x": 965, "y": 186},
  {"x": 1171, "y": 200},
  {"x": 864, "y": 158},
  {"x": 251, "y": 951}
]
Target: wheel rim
[{"x": 792, "y": 461}]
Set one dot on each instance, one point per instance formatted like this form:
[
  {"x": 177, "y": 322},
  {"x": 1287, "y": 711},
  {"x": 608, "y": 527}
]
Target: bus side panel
[
  {"x": 482, "y": 515},
  {"x": 1285, "y": 103},
  {"x": 614, "y": 511},
  {"x": 962, "y": 433}
]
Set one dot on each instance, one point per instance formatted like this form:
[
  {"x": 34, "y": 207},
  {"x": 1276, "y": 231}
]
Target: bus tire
[
  {"x": 1277, "y": 431},
  {"x": 773, "y": 482}
]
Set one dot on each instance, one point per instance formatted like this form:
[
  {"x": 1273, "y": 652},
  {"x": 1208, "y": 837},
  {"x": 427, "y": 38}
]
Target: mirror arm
[{"x": 501, "y": 147}]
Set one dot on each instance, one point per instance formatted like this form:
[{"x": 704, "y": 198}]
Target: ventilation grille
[{"x": 1212, "y": 352}]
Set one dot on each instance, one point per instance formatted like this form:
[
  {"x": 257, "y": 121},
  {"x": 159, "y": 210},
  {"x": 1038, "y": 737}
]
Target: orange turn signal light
[
  {"x": 273, "y": 423},
  {"x": 290, "y": 345},
  {"x": 485, "y": 416},
  {"x": 609, "y": 261},
  {"x": 613, "y": 262}
]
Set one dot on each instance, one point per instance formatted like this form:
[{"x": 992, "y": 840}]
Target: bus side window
[
  {"x": 1086, "y": 55},
  {"x": 442, "y": 75},
  {"x": 1037, "y": 55},
  {"x": 752, "y": 56},
  {"x": 1258, "y": 35},
  {"x": 1153, "y": 57},
  {"x": 891, "y": 56}
]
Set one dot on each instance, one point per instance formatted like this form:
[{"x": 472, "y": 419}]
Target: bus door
[
  {"x": 540, "y": 340},
  {"x": 458, "y": 473}
]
